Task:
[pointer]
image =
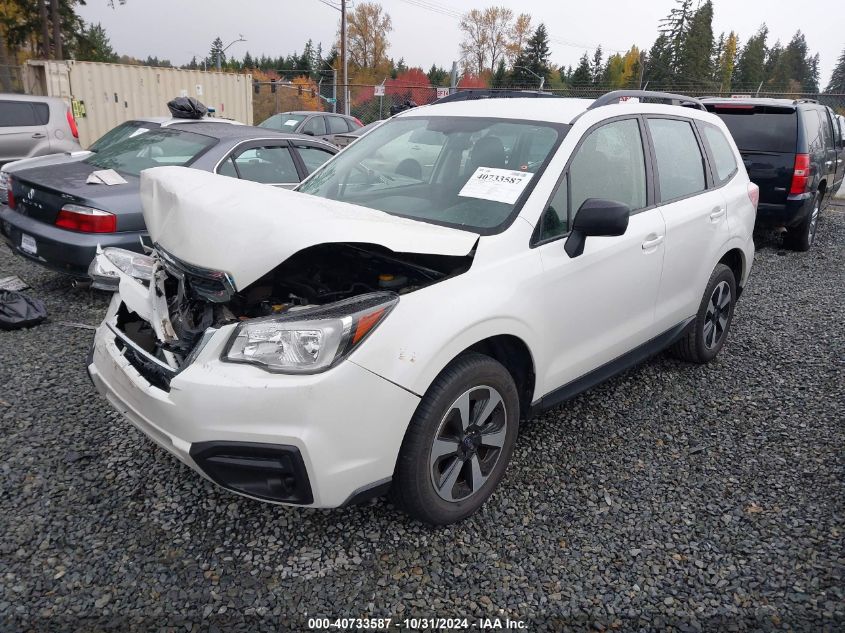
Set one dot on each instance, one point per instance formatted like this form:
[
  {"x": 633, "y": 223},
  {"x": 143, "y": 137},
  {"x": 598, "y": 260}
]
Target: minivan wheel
[
  {"x": 459, "y": 441},
  {"x": 707, "y": 333},
  {"x": 801, "y": 238}
]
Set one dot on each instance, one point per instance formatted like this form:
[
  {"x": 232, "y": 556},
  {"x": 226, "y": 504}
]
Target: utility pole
[
  {"x": 45, "y": 27},
  {"x": 343, "y": 57},
  {"x": 57, "y": 29}
]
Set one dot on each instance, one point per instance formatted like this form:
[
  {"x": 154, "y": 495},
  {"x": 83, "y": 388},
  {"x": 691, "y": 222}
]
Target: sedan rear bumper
[{"x": 60, "y": 250}]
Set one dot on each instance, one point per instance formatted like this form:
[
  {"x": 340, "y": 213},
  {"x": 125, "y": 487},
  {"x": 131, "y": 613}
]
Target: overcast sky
[{"x": 425, "y": 31}]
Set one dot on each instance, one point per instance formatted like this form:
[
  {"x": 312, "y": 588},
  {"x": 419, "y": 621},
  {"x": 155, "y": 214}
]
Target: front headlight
[
  {"x": 309, "y": 341},
  {"x": 105, "y": 277}
]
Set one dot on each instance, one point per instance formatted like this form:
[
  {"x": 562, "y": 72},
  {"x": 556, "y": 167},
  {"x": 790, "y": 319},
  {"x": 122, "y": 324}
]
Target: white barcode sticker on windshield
[{"x": 498, "y": 185}]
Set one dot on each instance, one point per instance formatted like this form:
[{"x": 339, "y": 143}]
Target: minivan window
[
  {"x": 17, "y": 114},
  {"x": 680, "y": 165},
  {"x": 155, "y": 148},
  {"x": 760, "y": 128},
  {"x": 464, "y": 176},
  {"x": 723, "y": 155}
]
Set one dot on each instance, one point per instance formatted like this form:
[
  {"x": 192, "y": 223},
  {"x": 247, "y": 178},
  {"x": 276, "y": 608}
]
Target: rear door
[
  {"x": 839, "y": 125},
  {"x": 23, "y": 129},
  {"x": 267, "y": 162},
  {"x": 695, "y": 212},
  {"x": 831, "y": 153},
  {"x": 767, "y": 138},
  {"x": 311, "y": 156}
]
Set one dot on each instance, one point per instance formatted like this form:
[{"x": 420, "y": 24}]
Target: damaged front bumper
[{"x": 316, "y": 439}]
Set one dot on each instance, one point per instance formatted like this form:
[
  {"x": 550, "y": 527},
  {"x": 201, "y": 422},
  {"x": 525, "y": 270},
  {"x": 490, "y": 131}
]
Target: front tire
[
  {"x": 706, "y": 335},
  {"x": 802, "y": 237},
  {"x": 458, "y": 443}
]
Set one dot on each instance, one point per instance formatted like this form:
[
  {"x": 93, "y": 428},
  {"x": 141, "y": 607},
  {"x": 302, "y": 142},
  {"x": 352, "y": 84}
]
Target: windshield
[
  {"x": 283, "y": 121},
  {"x": 465, "y": 172},
  {"x": 122, "y": 131},
  {"x": 155, "y": 148}
]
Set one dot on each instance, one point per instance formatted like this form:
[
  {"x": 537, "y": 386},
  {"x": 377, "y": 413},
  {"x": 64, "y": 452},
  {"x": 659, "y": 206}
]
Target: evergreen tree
[
  {"x": 836, "y": 85},
  {"x": 750, "y": 66},
  {"x": 675, "y": 27},
  {"x": 693, "y": 62},
  {"x": 249, "y": 62},
  {"x": 658, "y": 67},
  {"x": 597, "y": 68},
  {"x": 716, "y": 57},
  {"x": 94, "y": 45},
  {"x": 216, "y": 53},
  {"x": 583, "y": 74},
  {"x": 534, "y": 58},
  {"x": 438, "y": 76},
  {"x": 500, "y": 76},
  {"x": 727, "y": 63}
]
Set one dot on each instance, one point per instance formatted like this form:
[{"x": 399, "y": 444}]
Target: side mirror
[{"x": 599, "y": 218}]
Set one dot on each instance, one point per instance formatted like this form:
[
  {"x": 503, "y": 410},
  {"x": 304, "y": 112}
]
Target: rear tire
[
  {"x": 459, "y": 442},
  {"x": 802, "y": 237},
  {"x": 706, "y": 335}
]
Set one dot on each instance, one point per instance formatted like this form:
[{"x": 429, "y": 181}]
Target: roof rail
[
  {"x": 616, "y": 95},
  {"x": 806, "y": 101},
  {"x": 488, "y": 93}
]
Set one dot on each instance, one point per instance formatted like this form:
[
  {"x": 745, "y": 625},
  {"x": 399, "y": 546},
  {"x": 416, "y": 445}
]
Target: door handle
[
  {"x": 39, "y": 135},
  {"x": 651, "y": 242},
  {"x": 717, "y": 213}
]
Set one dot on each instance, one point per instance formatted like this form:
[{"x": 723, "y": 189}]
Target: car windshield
[
  {"x": 283, "y": 121},
  {"x": 122, "y": 131},
  {"x": 469, "y": 173},
  {"x": 155, "y": 148}
]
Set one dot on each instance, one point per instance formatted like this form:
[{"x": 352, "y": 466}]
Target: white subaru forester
[{"x": 386, "y": 326}]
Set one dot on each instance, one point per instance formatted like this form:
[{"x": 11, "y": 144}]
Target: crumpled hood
[{"x": 246, "y": 229}]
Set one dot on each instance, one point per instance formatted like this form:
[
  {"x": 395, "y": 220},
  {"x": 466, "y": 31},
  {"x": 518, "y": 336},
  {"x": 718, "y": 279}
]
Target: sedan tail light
[
  {"x": 800, "y": 174},
  {"x": 358, "y": 121},
  {"x": 72, "y": 124},
  {"x": 754, "y": 194},
  {"x": 10, "y": 196},
  {"x": 74, "y": 217}
]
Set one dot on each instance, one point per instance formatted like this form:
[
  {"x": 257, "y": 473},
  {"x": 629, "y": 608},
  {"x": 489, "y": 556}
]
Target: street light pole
[
  {"x": 224, "y": 49},
  {"x": 344, "y": 57}
]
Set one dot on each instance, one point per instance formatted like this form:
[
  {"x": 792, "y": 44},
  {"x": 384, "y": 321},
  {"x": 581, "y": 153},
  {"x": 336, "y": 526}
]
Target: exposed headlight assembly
[
  {"x": 309, "y": 341},
  {"x": 103, "y": 274}
]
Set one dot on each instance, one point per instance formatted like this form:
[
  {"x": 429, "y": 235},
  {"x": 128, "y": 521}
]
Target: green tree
[
  {"x": 583, "y": 74},
  {"x": 675, "y": 26},
  {"x": 94, "y": 45},
  {"x": 750, "y": 65},
  {"x": 727, "y": 63},
  {"x": 534, "y": 58},
  {"x": 693, "y": 62},
  {"x": 438, "y": 76},
  {"x": 597, "y": 67},
  {"x": 216, "y": 53},
  {"x": 499, "y": 79},
  {"x": 658, "y": 66},
  {"x": 836, "y": 85}
]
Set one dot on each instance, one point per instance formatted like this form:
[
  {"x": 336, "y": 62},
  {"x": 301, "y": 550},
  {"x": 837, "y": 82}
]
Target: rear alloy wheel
[
  {"x": 802, "y": 237},
  {"x": 707, "y": 333},
  {"x": 459, "y": 442}
]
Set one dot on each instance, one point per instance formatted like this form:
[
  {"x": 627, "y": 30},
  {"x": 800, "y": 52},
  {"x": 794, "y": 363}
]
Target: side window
[
  {"x": 227, "y": 168},
  {"x": 609, "y": 164},
  {"x": 827, "y": 130},
  {"x": 315, "y": 125},
  {"x": 17, "y": 114},
  {"x": 337, "y": 125},
  {"x": 270, "y": 165},
  {"x": 313, "y": 157},
  {"x": 720, "y": 148},
  {"x": 42, "y": 113},
  {"x": 680, "y": 165}
]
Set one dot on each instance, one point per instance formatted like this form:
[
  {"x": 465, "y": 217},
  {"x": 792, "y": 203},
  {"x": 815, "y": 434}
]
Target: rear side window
[
  {"x": 680, "y": 165},
  {"x": 315, "y": 125},
  {"x": 762, "y": 129},
  {"x": 313, "y": 157},
  {"x": 337, "y": 125},
  {"x": 720, "y": 148},
  {"x": 19, "y": 114},
  {"x": 826, "y": 129},
  {"x": 269, "y": 165},
  {"x": 42, "y": 113}
]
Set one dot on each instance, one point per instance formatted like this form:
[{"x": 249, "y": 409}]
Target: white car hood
[{"x": 246, "y": 229}]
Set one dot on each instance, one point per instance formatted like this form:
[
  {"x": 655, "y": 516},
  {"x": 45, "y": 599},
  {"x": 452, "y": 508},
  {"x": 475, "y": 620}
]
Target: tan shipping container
[{"x": 106, "y": 95}]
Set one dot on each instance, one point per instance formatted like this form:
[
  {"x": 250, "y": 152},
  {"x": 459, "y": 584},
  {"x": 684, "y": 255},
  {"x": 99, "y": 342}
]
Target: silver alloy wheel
[
  {"x": 468, "y": 443},
  {"x": 814, "y": 219},
  {"x": 716, "y": 317}
]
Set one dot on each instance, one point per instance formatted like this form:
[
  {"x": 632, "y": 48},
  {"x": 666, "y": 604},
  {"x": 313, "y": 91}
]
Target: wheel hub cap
[{"x": 717, "y": 315}]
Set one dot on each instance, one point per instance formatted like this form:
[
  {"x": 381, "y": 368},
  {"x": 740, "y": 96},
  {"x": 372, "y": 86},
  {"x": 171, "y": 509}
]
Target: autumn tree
[
  {"x": 727, "y": 62},
  {"x": 367, "y": 30},
  {"x": 520, "y": 32},
  {"x": 473, "y": 41},
  {"x": 498, "y": 22}
]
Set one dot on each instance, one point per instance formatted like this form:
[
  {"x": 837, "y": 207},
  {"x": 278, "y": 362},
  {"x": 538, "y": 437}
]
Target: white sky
[{"x": 180, "y": 29}]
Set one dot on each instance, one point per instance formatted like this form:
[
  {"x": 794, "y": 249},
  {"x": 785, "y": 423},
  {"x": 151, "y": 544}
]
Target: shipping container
[{"x": 105, "y": 95}]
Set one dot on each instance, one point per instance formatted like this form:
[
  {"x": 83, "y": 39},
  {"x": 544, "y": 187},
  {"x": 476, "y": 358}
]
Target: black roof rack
[
  {"x": 616, "y": 95},
  {"x": 488, "y": 93}
]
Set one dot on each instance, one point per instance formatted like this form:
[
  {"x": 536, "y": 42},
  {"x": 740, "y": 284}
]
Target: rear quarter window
[
  {"x": 761, "y": 129},
  {"x": 723, "y": 155}
]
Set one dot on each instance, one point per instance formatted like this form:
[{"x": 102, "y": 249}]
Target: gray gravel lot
[{"x": 672, "y": 496}]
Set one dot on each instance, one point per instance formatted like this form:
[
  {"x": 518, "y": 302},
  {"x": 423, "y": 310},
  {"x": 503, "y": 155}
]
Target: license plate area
[{"x": 28, "y": 244}]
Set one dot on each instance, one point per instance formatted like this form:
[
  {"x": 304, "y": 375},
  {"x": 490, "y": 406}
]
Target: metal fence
[{"x": 374, "y": 102}]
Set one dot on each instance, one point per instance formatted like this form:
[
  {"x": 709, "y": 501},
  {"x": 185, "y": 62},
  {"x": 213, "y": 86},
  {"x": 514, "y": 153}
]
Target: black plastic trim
[
  {"x": 614, "y": 97},
  {"x": 370, "y": 491},
  {"x": 608, "y": 370}
]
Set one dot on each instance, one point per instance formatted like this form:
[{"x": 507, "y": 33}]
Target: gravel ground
[{"x": 672, "y": 496}]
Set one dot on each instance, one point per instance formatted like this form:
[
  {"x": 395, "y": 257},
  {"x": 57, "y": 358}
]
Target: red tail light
[
  {"x": 800, "y": 174},
  {"x": 754, "y": 194},
  {"x": 74, "y": 217},
  {"x": 10, "y": 196},
  {"x": 72, "y": 123},
  {"x": 358, "y": 121}
]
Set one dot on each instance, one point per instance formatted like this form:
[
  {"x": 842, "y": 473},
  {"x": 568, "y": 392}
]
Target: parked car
[
  {"x": 321, "y": 124},
  {"x": 792, "y": 153},
  {"x": 56, "y": 219},
  {"x": 34, "y": 126},
  {"x": 126, "y": 129},
  {"x": 344, "y": 140},
  {"x": 368, "y": 332}
]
